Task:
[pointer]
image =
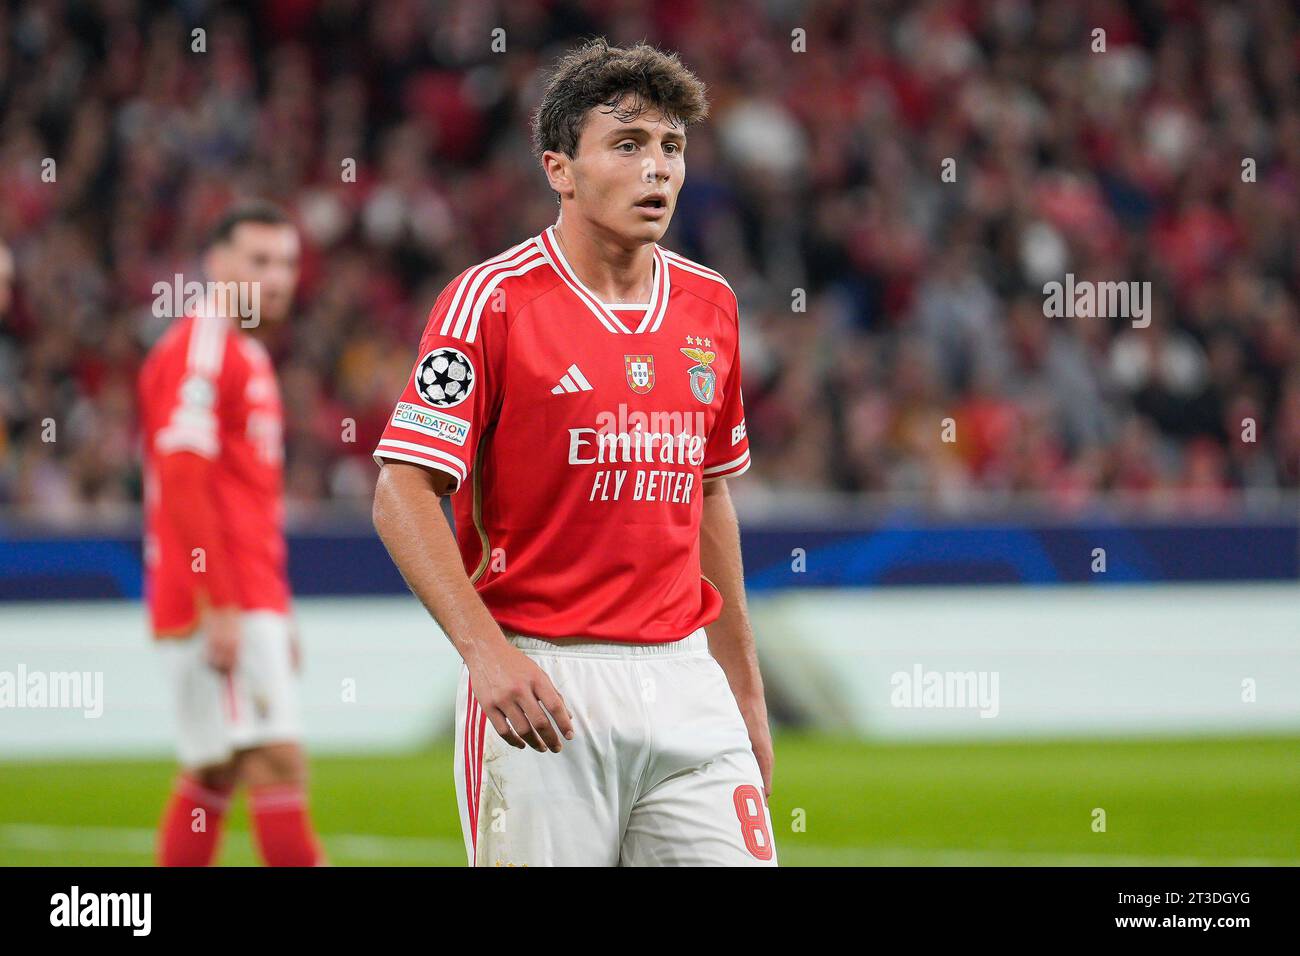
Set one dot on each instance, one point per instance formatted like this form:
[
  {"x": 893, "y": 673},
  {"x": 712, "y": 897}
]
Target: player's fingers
[
  {"x": 218, "y": 659},
  {"x": 524, "y": 728},
  {"x": 503, "y": 728},
  {"x": 550, "y": 698},
  {"x": 542, "y": 723}
]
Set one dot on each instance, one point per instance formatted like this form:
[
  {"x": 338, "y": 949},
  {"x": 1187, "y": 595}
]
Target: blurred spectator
[{"x": 879, "y": 296}]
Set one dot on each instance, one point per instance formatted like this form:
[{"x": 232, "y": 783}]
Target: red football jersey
[
  {"x": 579, "y": 435},
  {"x": 210, "y": 389}
]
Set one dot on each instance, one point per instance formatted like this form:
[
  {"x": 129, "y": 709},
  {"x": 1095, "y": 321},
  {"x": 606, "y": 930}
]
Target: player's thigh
[
  {"x": 272, "y": 764},
  {"x": 523, "y": 808},
  {"x": 713, "y": 815},
  {"x": 203, "y": 702},
  {"x": 265, "y": 684}
]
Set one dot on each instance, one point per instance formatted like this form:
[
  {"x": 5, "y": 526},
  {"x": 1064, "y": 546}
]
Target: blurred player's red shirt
[
  {"x": 579, "y": 436},
  {"x": 209, "y": 388}
]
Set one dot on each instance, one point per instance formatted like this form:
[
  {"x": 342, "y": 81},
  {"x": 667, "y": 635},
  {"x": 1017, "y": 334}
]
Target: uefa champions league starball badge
[
  {"x": 702, "y": 378},
  {"x": 444, "y": 377}
]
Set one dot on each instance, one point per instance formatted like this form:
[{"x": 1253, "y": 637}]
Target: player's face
[
  {"x": 626, "y": 176},
  {"x": 262, "y": 253}
]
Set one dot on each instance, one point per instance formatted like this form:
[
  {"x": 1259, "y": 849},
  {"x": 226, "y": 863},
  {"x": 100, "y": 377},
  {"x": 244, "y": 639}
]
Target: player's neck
[
  {"x": 261, "y": 331},
  {"x": 613, "y": 272}
]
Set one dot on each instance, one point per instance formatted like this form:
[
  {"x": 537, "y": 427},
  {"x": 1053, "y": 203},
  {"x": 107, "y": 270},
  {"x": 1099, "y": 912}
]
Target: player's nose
[{"x": 656, "y": 169}]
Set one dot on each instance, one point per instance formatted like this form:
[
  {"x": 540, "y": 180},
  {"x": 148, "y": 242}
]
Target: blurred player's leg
[
  {"x": 271, "y": 761},
  {"x": 276, "y": 776},
  {"x": 246, "y": 721},
  {"x": 701, "y": 801},
  {"x": 190, "y": 831},
  {"x": 524, "y": 808},
  {"x": 204, "y": 701}
]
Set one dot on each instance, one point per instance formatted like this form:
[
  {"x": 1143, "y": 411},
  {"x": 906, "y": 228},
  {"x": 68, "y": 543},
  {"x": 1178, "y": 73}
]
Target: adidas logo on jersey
[{"x": 573, "y": 381}]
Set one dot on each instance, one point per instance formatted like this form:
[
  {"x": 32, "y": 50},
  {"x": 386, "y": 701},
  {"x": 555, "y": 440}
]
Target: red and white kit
[
  {"x": 210, "y": 389},
  {"x": 580, "y": 435}
]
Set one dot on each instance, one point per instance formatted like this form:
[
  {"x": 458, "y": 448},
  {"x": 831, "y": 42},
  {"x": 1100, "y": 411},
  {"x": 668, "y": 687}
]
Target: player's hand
[
  {"x": 295, "y": 646},
  {"x": 520, "y": 700},
  {"x": 760, "y": 739},
  {"x": 221, "y": 631}
]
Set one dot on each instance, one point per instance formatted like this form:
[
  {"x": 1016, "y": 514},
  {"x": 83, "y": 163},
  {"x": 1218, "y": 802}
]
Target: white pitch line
[
  {"x": 41, "y": 838},
  {"x": 38, "y": 838}
]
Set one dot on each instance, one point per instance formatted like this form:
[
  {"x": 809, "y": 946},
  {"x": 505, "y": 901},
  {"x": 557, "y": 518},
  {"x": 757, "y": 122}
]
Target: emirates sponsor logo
[{"x": 590, "y": 446}]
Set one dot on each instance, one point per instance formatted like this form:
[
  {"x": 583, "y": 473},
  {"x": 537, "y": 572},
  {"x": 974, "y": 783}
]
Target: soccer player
[
  {"x": 579, "y": 397},
  {"x": 214, "y": 549}
]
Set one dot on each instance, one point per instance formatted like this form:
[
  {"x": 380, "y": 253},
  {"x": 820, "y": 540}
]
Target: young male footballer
[{"x": 579, "y": 396}]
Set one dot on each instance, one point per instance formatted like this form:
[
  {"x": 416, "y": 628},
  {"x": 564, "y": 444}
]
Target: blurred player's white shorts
[
  {"x": 659, "y": 773},
  {"x": 256, "y": 704}
]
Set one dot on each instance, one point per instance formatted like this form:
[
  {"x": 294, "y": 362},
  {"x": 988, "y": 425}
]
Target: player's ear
[{"x": 559, "y": 172}]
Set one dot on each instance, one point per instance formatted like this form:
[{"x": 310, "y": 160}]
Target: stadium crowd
[{"x": 879, "y": 297}]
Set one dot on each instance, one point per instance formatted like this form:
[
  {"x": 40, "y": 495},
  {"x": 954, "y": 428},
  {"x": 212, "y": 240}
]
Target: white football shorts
[
  {"x": 659, "y": 773},
  {"x": 218, "y": 715}
]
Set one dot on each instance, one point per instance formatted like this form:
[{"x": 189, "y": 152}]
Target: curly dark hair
[{"x": 597, "y": 74}]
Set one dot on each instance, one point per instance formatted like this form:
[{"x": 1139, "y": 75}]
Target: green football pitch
[{"x": 1219, "y": 801}]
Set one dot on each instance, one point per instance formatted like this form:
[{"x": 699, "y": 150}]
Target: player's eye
[
  {"x": 672, "y": 149},
  {"x": 631, "y": 146}
]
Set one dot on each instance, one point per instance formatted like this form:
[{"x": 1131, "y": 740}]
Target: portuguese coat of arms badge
[{"x": 640, "y": 372}]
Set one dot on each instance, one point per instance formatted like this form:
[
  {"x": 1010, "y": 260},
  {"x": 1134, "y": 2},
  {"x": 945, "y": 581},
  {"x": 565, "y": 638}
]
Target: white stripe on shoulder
[
  {"x": 691, "y": 265},
  {"x": 686, "y": 265},
  {"x": 207, "y": 345},
  {"x": 482, "y": 284},
  {"x": 528, "y": 266},
  {"x": 197, "y": 331},
  {"x": 484, "y": 281},
  {"x": 471, "y": 275}
]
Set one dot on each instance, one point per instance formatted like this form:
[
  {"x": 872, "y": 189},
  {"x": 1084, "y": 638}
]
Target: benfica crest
[
  {"x": 640, "y": 372},
  {"x": 703, "y": 378}
]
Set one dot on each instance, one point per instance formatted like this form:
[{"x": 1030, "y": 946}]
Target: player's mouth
[{"x": 653, "y": 206}]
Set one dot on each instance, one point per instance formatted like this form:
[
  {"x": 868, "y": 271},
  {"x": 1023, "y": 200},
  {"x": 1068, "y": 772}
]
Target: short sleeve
[
  {"x": 727, "y": 452},
  {"x": 449, "y": 396}
]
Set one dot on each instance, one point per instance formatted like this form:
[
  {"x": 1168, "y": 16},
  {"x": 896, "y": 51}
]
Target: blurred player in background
[
  {"x": 215, "y": 553},
  {"x": 581, "y": 392}
]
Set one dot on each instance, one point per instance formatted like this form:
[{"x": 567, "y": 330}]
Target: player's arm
[
  {"x": 513, "y": 691},
  {"x": 188, "y": 447},
  {"x": 731, "y": 638},
  {"x": 186, "y": 497},
  {"x": 428, "y": 450}
]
